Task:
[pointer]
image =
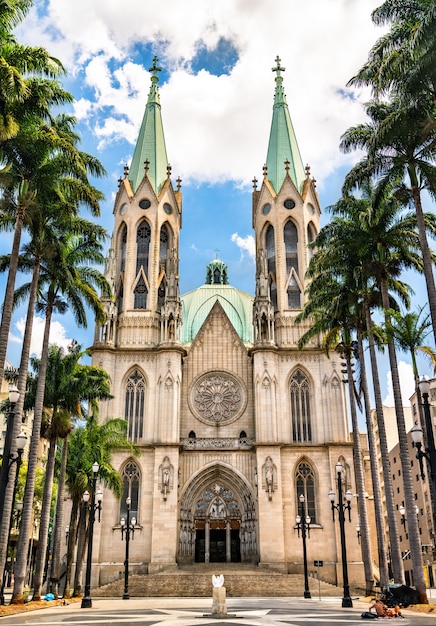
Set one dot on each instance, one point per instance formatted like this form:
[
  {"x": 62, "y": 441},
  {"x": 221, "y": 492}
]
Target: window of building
[
  {"x": 271, "y": 261},
  {"x": 134, "y": 406},
  {"x": 305, "y": 484},
  {"x": 291, "y": 251},
  {"x": 130, "y": 476},
  {"x": 300, "y": 407},
  {"x": 123, "y": 248},
  {"x": 140, "y": 293},
  {"x": 143, "y": 237}
]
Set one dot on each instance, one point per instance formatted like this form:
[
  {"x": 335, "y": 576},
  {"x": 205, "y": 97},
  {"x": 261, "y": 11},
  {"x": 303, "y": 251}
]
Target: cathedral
[{"x": 233, "y": 422}]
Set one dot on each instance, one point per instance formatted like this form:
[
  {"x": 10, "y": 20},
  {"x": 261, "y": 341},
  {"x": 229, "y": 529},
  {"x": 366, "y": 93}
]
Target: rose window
[{"x": 217, "y": 398}]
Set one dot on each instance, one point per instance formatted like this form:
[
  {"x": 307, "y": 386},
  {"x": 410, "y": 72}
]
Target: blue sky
[{"x": 216, "y": 89}]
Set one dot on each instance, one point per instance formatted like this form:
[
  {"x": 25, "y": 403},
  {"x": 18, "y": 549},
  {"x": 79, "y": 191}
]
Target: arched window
[
  {"x": 271, "y": 260},
  {"x": 143, "y": 236},
  {"x": 134, "y": 407},
  {"x": 311, "y": 236},
  {"x": 163, "y": 245},
  {"x": 130, "y": 476},
  {"x": 123, "y": 248},
  {"x": 300, "y": 407},
  {"x": 140, "y": 293},
  {"x": 290, "y": 234},
  {"x": 305, "y": 484},
  {"x": 120, "y": 298}
]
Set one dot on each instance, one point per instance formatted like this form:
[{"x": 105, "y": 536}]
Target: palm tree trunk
[
  {"x": 72, "y": 539},
  {"x": 375, "y": 476},
  {"x": 395, "y": 548},
  {"x": 16, "y": 425},
  {"x": 26, "y": 519},
  {"x": 426, "y": 255},
  {"x": 59, "y": 522},
  {"x": 41, "y": 551},
  {"x": 81, "y": 550},
  {"x": 409, "y": 497},
  {"x": 8, "y": 301},
  {"x": 360, "y": 480}
]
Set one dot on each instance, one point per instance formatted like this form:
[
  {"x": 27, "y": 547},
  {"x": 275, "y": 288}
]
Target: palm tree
[
  {"x": 400, "y": 152},
  {"x": 68, "y": 384},
  {"x": 95, "y": 442},
  {"x": 68, "y": 273},
  {"x": 42, "y": 160},
  {"x": 333, "y": 308},
  {"x": 402, "y": 61}
]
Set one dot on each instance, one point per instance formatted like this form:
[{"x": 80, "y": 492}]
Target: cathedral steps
[{"x": 239, "y": 582}]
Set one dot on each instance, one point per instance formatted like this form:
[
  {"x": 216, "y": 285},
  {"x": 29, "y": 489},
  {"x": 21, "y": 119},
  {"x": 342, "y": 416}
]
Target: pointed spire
[
  {"x": 283, "y": 152},
  {"x": 150, "y": 155}
]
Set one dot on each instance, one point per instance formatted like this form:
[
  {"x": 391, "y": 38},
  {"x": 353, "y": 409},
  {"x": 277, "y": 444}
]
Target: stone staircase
[{"x": 196, "y": 582}]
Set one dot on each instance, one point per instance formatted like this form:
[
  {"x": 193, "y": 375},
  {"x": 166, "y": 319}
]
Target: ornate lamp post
[
  {"x": 93, "y": 506},
  {"x": 14, "y": 396},
  {"x": 430, "y": 451},
  {"x": 341, "y": 507},
  {"x": 8, "y": 461},
  {"x": 127, "y": 529},
  {"x": 303, "y": 524}
]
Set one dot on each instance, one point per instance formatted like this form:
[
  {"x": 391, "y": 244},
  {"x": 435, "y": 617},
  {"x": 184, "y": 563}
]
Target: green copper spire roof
[
  {"x": 150, "y": 146},
  {"x": 283, "y": 145}
]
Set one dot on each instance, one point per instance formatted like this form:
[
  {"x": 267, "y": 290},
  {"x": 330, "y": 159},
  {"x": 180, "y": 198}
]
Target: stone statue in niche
[
  {"x": 269, "y": 472},
  {"x": 166, "y": 477}
]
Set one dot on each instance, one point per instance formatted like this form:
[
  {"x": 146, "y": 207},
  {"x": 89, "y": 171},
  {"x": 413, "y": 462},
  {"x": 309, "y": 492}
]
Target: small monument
[{"x": 219, "y": 605}]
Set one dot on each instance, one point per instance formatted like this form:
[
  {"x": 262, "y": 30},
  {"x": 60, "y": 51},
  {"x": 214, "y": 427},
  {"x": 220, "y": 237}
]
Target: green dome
[{"x": 198, "y": 303}]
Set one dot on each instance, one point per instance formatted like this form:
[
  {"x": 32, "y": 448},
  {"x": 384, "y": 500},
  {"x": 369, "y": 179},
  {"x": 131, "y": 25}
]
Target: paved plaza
[{"x": 194, "y": 611}]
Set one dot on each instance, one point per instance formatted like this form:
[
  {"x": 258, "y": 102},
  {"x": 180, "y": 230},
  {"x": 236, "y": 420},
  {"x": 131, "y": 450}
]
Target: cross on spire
[
  {"x": 154, "y": 68},
  {"x": 278, "y": 67}
]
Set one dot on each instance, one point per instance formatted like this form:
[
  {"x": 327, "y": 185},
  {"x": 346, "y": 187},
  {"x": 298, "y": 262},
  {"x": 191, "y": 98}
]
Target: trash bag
[{"x": 368, "y": 615}]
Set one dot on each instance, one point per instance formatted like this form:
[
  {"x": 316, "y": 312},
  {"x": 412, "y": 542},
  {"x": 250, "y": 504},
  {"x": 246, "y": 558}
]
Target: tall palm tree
[
  {"x": 70, "y": 280},
  {"x": 42, "y": 159},
  {"x": 68, "y": 385},
  {"x": 400, "y": 152}
]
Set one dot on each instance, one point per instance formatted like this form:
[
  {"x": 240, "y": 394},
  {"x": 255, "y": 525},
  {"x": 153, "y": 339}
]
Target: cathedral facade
[{"x": 233, "y": 422}]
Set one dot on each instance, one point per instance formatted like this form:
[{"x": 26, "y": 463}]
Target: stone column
[
  {"x": 228, "y": 543},
  {"x": 207, "y": 541}
]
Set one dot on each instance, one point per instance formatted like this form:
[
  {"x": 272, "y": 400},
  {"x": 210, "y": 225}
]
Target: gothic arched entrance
[{"x": 218, "y": 522}]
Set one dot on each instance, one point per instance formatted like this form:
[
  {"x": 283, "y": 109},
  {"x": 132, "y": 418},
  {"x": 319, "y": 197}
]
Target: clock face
[
  {"x": 123, "y": 209},
  {"x": 145, "y": 203},
  {"x": 266, "y": 209},
  {"x": 289, "y": 203},
  {"x": 167, "y": 208}
]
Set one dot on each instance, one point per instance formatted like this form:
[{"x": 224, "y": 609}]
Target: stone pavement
[{"x": 195, "y": 611}]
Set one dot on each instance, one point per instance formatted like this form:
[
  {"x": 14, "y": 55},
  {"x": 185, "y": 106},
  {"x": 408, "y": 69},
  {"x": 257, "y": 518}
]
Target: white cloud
[
  {"x": 407, "y": 384},
  {"x": 216, "y": 126},
  {"x": 58, "y": 334},
  {"x": 245, "y": 244}
]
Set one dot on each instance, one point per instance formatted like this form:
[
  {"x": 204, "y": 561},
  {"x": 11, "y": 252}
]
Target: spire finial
[
  {"x": 278, "y": 67},
  {"x": 126, "y": 171},
  {"x": 154, "y": 68},
  {"x": 287, "y": 164},
  {"x": 146, "y": 165},
  {"x": 254, "y": 181},
  {"x": 168, "y": 170},
  {"x": 216, "y": 252},
  {"x": 179, "y": 183},
  {"x": 265, "y": 171},
  {"x": 307, "y": 169}
]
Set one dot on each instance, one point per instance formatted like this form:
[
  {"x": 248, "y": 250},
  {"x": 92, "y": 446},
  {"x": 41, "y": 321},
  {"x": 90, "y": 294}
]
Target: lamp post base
[
  {"x": 126, "y": 596},
  {"x": 307, "y": 594},
  {"x": 86, "y": 603},
  {"x": 347, "y": 602}
]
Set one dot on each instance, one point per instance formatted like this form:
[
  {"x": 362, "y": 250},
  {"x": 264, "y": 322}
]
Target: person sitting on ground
[{"x": 379, "y": 608}]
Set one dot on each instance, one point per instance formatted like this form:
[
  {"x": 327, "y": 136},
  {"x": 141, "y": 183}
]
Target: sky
[{"x": 216, "y": 92}]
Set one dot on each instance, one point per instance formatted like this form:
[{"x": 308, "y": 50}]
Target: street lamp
[
  {"x": 14, "y": 396},
  {"x": 341, "y": 507},
  {"x": 303, "y": 524},
  {"x": 127, "y": 529},
  {"x": 93, "y": 506},
  {"x": 8, "y": 461},
  {"x": 402, "y": 511},
  {"x": 417, "y": 438}
]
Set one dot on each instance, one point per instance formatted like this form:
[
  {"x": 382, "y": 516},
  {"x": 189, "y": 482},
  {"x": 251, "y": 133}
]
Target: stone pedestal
[{"x": 219, "y": 606}]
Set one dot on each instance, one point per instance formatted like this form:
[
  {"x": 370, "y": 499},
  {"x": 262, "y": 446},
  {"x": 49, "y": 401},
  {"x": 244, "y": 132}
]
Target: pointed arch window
[
  {"x": 134, "y": 405},
  {"x": 120, "y": 298},
  {"x": 140, "y": 293},
  {"x": 123, "y": 248},
  {"x": 271, "y": 261},
  {"x": 311, "y": 236},
  {"x": 290, "y": 234},
  {"x": 130, "y": 476},
  {"x": 163, "y": 245},
  {"x": 305, "y": 484},
  {"x": 143, "y": 237},
  {"x": 300, "y": 407}
]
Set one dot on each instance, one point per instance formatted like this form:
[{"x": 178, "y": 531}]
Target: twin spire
[{"x": 283, "y": 155}]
